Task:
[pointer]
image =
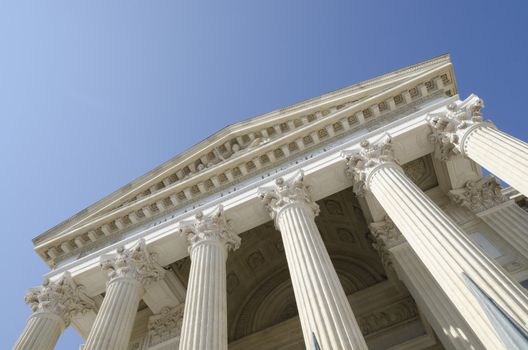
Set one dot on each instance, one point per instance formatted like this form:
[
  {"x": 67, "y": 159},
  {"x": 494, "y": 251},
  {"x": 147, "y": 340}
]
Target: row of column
[
  {"x": 440, "y": 244},
  {"x": 437, "y": 247},
  {"x": 326, "y": 316}
]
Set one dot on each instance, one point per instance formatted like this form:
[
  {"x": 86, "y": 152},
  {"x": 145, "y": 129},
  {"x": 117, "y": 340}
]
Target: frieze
[
  {"x": 394, "y": 314},
  {"x": 256, "y": 151}
]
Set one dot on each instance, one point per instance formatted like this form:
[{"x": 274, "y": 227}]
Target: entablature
[
  {"x": 324, "y": 171},
  {"x": 257, "y": 147}
]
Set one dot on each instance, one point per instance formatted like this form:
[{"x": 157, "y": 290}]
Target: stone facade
[{"x": 357, "y": 220}]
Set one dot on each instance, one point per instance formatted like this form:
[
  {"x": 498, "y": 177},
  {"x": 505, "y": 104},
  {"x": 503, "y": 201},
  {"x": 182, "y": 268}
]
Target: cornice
[
  {"x": 264, "y": 144},
  {"x": 241, "y": 201}
]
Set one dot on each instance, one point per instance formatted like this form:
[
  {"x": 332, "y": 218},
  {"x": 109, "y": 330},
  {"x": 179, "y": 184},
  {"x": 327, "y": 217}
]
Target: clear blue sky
[{"x": 94, "y": 94}]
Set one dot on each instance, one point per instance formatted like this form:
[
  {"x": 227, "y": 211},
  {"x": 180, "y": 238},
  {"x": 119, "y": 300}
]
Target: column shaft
[
  {"x": 113, "y": 325},
  {"x": 511, "y": 223},
  {"x": 447, "y": 253},
  {"x": 503, "y": 155},
  {"x": 205, "y": 314},
  {"x": 54, "y": 303},
  {"x": 41, "y": 333},
  {"x": 323, "y": 307},
  {"x": 446, "y": 320}
]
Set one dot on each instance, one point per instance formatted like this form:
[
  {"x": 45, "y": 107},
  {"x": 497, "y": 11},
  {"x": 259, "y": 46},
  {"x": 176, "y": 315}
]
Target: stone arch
[{"x": 272, "y": 300}]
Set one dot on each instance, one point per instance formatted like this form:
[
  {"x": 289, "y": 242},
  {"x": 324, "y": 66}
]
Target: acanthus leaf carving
[
  {"x": 63, "y": 298},
  {"x": 136, "y": 263},
  {"x": 285, "y": 192},
  {"x": 401, "y": 311},
  {"x": 165, "y": 325},
  {"x": 479, "y": 195},
  {"x": 359, "y": 164},
  {"x": 211, "y": 227},
  {"x": 450, "y": 127},
  {"x": 386, "y": 236}
]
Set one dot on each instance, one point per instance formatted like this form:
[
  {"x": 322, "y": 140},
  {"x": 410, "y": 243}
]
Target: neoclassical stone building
[{"x": 358, "y": 219}]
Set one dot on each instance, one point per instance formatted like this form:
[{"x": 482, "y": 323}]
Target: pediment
[{"x": 242, "y": 150}]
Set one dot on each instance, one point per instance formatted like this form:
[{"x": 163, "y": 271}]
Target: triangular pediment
[{"x": 242, "y": 150}]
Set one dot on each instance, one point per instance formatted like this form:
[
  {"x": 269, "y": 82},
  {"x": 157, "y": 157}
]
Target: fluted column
[
  {"x": 130, "y": 271},
  {"x": 484, "y": 198},
  {"x": 396, "y": 254},
  {"x": 453, "y": 260},
  {"x": 460, "y": 129},
  {"x": 53, "y": 304},
  {"x": 324, "y": 311},
  {"x": 205, "y": 314}
]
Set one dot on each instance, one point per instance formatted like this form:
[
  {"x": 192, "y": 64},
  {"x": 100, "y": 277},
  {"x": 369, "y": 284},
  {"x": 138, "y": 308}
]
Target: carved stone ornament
[
  {"x": 386, "y": 236},
  {"x": 401, "y": 311},
  {"x": 479, "y": 195},
  {"x": 359, "y": 164},
  {"x": 165, "y": 325},
  {"x": 287, "y": 192},
  {"x": 211, "y": 227},
  {"x": 62, "y": 297},
  {"x": 450, "y": 127},
  {"x": 137, "y": 263}
]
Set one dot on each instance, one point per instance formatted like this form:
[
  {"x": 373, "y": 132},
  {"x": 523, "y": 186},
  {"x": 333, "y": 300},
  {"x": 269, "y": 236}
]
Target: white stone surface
[
  {"x": 205, "y": 314},
  {"x": 227, "y": 170},
  {"x": 461, "y": 129},
  {"x": 502, "y": 154},
  {"x": 324, "y": 310},
  {"x": 511, "y": 223},
  {"x": 42, "y": 332},
  {"x": 54, "y": 304},
  {"x": 449, "y": 325},
  {"x": 438, "y": 241},
  {"x": 130, "y": 271},
  {"x": 484, "y": 197}
]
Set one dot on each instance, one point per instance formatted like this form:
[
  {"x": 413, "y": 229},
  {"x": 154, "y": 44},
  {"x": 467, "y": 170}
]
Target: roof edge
[{"x": 438, "y": 60}]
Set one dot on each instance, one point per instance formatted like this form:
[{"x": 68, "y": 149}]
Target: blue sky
[{"x": 94, "y": 94}]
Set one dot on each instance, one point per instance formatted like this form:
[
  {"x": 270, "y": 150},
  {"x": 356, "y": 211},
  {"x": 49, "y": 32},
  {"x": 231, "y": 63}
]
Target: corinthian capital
[
  {"x": 213, "y": 227},
  {"x": 452, "y": 124},
  {"x": 386, "y": 236},
  {"x": 359, "y": 164},
  {"x": 479, "y": 195},
  {"x": 165, "y": 325},
  {"x": 285, "y": 192},
  {"x": 63, "y": 298},
  {"x": 137, "y": 263}
]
